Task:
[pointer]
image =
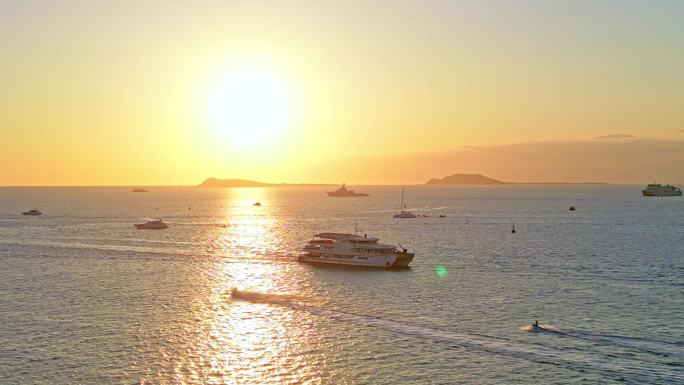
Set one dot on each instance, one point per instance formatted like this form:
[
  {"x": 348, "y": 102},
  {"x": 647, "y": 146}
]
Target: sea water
[{"x": 85, "y": 297}]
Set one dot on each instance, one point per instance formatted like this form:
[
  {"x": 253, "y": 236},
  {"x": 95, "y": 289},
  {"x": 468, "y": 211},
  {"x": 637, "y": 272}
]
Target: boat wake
[
  {"x": 245, "y": 295},
  {"x": 646, "y": 345},
  {"x": 200, "y": 224},
  {"x": 622, "y": 368}
]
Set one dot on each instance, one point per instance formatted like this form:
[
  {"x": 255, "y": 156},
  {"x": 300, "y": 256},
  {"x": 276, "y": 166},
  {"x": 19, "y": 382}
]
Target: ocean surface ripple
[{"x": 218, "y": 298}]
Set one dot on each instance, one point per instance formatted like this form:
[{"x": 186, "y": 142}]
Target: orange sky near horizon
[{"x": 166, "y": 93}]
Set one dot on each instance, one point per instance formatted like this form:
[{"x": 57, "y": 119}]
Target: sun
[{"x": 250, "y": 107}]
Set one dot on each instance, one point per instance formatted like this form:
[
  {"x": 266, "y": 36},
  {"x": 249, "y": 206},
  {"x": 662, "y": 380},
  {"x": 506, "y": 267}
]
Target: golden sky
[{"x": 172, "y": 92}]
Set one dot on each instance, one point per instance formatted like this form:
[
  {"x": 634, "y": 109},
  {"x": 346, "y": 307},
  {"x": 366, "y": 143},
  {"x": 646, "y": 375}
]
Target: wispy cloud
[{"x": 615, "y": 136}]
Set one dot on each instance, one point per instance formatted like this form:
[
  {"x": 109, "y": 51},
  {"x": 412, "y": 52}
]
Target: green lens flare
[{"x": 441, "y": 271}]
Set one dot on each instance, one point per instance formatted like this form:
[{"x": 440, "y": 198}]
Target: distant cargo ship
[
  {"x": 139, "y": 189},
  {"x": 658, "y": 190},
  {"x": 342, "y": 192}
]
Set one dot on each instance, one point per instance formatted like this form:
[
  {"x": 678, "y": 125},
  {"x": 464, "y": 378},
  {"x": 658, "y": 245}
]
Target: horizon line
[{"x": 313, "y": 185}]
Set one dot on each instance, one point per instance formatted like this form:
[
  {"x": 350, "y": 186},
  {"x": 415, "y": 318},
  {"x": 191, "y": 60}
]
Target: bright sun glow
[{"x": 250, "y": 107}]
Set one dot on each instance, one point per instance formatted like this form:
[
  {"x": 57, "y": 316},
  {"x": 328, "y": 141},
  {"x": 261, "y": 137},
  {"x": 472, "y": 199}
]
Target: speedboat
[
  {"x": 239, "y": 294},
  {"x": 32, "y": 212},
  {"x": 342, "y": 192},
  {"x": 257, "y": 204},
  {"x": 157, "y": 224},
  {"x": 572, "y": 208},
  {"x": 658, "y": 190},
  {"x": 354, "y": 250}
]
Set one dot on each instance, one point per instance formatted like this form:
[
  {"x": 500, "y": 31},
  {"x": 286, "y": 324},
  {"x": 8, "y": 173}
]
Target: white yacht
[
  {"x": 354, "y": 250},
  {"x": 157, "y": 224},
  {"x": 403, "y": 213},
  {"x": 658, "y": 190}
]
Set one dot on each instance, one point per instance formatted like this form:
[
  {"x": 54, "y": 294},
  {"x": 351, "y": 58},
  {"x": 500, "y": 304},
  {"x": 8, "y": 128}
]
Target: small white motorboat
[
  {"x": 157, "y": 224},
  {"x": 32, "y": 212}
]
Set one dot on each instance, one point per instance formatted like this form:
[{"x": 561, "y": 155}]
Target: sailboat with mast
[{"x": 403, "y": 213}]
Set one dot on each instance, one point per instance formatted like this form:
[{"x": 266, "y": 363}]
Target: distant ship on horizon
[
  {"x": 139, "y": 189},
  {"x": 658, "y": 190},
  {"x": 342, "y": 192}
]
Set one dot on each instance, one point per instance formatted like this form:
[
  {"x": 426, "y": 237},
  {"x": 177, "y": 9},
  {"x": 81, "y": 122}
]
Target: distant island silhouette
[
  {"x": 464, "y": 179},
  {"x": 214, "y": 182},
  {"x": 479, "y": 179},
  {"x": 451, "y": 180}
]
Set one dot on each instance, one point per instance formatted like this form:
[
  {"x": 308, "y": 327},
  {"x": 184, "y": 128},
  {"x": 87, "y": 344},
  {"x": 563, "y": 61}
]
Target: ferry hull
[{"x": 400, "y": 261}]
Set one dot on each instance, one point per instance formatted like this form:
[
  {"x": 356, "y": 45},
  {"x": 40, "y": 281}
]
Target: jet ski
[{"x": 536, "y": 327}]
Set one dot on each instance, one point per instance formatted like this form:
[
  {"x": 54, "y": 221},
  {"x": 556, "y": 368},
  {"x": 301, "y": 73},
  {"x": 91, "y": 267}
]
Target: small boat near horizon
[
  {"x": 658, "y": 190},
  {"x": 342, "y": 192},
  {"x": 32, "y": 212},
  {"x": 156, "y": 224},
  {"x": 139, "y": 189},
  {"x": 403, "y": 213},
  {"x": 354, "y": 250}
]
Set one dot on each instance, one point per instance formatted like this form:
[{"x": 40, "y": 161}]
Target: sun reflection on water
[
  {"x": 252, "y": 230},
  {"x": 245, "y": 342}
]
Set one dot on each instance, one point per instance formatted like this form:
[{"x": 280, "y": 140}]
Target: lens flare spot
[{"x": 441, "y": 271}]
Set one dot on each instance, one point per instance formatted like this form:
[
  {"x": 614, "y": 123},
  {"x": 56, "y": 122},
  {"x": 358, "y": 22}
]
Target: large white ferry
[
  {"x": 354, "y": 250},
  {"x": 658, "y": 190}
]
